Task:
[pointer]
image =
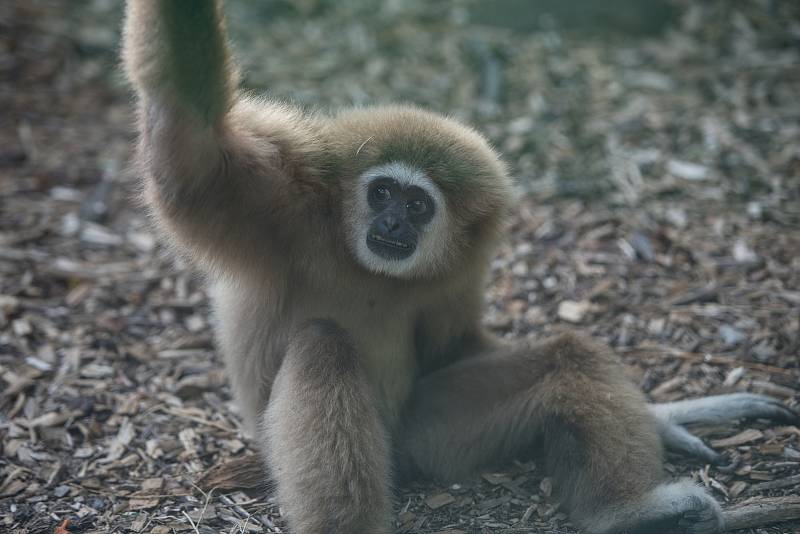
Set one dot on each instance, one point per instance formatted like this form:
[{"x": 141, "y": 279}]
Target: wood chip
[
  {"x": 747, "y": 436},
  {"x": 143, "y": 503},
  {"x": 572, "y": 311},
  {"x": 121, "y": 440},
  {"x": 496, "y": 479},
  {"x": 246, "y": 472},
  {"x": 546, "y": 486},
  {"x": 737, "y": 488},
  {"x": 687, "y": 170},
  {"x": 440, "y": 499},
  {"x": 759, "y": 512},
  {"x": 153, "y": 485},
  {"x": 667, "y": 386},
  {"x": 788, "y": 482}
]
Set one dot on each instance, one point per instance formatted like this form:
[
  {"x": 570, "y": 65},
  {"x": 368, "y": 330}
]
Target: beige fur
[{"x": 267, "y": 200}]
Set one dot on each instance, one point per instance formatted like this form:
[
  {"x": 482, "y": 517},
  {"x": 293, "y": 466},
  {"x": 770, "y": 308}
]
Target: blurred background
[{"x": 656, "y": 145}]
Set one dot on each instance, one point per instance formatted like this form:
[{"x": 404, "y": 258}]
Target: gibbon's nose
[{"x": 389, "y": 224}]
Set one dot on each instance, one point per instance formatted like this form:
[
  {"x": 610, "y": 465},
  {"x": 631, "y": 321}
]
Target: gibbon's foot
[
  {"x": 713, "y": 410},
  {"x": 674, "y": 507},
  {"x": 724, "y": 408}
]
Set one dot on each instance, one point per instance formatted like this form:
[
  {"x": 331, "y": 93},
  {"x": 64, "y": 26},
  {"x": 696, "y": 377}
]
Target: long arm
[
  {"x": 176, "y": 54},
  {"x": 224, "y": 175}
]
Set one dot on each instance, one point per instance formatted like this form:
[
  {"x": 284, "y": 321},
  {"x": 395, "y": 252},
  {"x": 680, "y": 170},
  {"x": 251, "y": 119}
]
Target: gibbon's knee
[
  {"x": 320, "y": 328},
  {"x": 321, "y": 347},
  {"x": 569, "y": 352},
  {"x": 601, "y": 443}
]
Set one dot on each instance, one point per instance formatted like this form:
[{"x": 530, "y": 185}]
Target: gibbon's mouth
[
  {"x": 390, "y": 242},
  {"x": 388, "y": 248}
]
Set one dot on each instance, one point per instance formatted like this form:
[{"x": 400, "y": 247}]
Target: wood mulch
[{"x": 661, "y": 213}]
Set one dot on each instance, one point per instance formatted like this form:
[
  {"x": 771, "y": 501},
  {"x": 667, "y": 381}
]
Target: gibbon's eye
[
  {"x": 380, "y": 195},
  {"x": 417, "y": 207}
]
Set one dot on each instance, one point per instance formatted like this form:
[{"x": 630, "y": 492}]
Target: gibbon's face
[
  {"x": 422, "y": 196},
  {"x": 400, "y": 221}
]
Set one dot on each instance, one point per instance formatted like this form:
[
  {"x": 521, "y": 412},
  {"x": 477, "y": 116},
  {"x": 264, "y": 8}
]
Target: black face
[{"x": 400, "y": 213}]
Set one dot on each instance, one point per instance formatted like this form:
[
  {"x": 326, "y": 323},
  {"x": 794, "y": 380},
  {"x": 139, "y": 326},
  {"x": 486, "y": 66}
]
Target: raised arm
[
  {"x": 176, "y": 54},
  {"x": 223, "y": 175}
]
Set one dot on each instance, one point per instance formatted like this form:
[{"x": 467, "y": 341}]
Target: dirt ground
[{"x": 659, "y": 178}]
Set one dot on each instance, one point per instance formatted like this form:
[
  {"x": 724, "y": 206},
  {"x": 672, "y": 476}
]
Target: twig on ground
[
  {"x": 759, "y": 512},
  {"x": 194, "y": 527}
]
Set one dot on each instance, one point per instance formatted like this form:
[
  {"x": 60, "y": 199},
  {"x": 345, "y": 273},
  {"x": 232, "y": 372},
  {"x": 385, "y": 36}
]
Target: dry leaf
[{"x": 62, "y": 528}]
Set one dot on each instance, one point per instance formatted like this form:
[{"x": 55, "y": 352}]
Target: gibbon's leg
[
  {"x": 324, "y": 442},
  {"x": 601, "y": 443},
  {"x": 713, "y": 410}
]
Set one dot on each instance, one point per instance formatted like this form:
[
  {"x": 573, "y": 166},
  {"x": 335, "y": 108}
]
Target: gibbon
[{"x": 346, "y": 256}]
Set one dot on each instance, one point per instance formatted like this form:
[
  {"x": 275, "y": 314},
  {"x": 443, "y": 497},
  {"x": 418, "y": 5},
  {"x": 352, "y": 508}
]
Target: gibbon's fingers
[
  {"x": 724, "y": 408},
  {"x": 324, "y": 442}
]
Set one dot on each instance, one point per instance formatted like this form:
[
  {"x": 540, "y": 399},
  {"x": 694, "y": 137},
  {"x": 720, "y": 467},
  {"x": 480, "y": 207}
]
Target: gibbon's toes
[
  {"x": 700, "y": 450},
  {"x": 703, "y": 452},
  {"x": 712, "y": 457},
  {"x": 785, "y": 413},
  {"x": 753, "y": 405},
  {"x": 678, "y": 439}
]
